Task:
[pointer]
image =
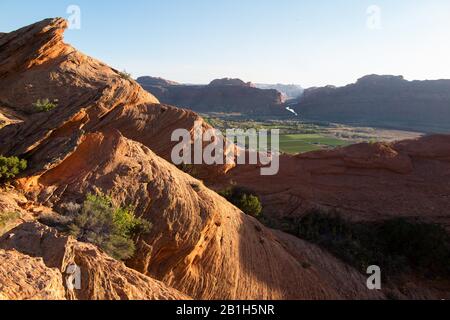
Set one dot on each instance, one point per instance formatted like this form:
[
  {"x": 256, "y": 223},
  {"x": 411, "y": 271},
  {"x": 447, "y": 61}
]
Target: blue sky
[{"x": 315, "y": 42}]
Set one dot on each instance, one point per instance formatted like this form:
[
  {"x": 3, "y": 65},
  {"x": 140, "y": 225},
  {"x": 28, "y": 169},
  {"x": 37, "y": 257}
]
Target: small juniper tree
[
  {"x": 250, "y": 204},
  {"x": 244, "y": 200},
  {"x": 44, "y": 105},
  {"x": 109, "y": 227},
  {"x": 10, "y": 167}
]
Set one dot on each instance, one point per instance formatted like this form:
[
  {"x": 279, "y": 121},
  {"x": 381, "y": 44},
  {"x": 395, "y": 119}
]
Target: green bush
[
  {"x": 397, "y": 246},
  {"x": 250, "y": 204},
  {"x": 10, "y": 167},
  {"x": 111, "y": 228},
  {"x": 44, "y": 105},
  {"x": 244, "y": 200}
]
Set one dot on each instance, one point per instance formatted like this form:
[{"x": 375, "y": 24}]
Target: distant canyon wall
[
  {"x": 383, "y": 101},
  {"x": 221, "y": 95}
]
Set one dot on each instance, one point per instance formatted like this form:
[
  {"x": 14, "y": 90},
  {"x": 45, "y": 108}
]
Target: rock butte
[
  {"x": 221, "y": 95},
  {"x": 108, "y": 134}
]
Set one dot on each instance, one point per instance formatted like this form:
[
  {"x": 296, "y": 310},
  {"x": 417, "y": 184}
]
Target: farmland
[
  {"x": 299, "y": 143},
  {"x": 300, "y": 136}
]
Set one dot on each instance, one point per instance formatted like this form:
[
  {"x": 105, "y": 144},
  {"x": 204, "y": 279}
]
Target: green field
[
  {"x": 299, "y": 143},
  {"x": 299, "y": 137}
]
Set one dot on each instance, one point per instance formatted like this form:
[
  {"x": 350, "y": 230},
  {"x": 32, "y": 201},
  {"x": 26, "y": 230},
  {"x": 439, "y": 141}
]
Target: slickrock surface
[
  {"x": 102, "y": 277},
  {"x": 11, "y": 211},
  {"x": 25, "y": 278},
  {"x": 7, "y": 117},
  {"x": 108, "y": 134},
  {"x": 11, "y": 201},
  {"x": 90, "y": 96},
  {"x": 199, "y": 244},
  {"x": 98, "y": 138}
]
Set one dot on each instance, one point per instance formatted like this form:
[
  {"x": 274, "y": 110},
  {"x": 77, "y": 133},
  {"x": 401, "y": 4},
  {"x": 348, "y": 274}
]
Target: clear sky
[{"x": 314, "y": 42}]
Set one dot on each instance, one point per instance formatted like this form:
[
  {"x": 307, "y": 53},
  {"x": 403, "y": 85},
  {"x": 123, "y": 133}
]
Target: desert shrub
[
  {"x": 54, "y": 220},
  {"x": 250, "y": 204},
  {"x": 44, "y": 105},
  {"x": 10, "y": 167},
  {"x": 109, "y": 227},
  {"x": 425, "y": 245},
  {"x": 70, "y": 209},
  {"x": 6, "y": 218},
  {"x": 244, "y": 200},
  {"x": 350, "y": 242},
  {"x": 125, "y": 75},
  {"x": 62, "y": 220},
  {"x": 397, "y": 246}
]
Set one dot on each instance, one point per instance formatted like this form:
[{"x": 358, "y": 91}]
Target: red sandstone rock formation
[
  {"x": 25, "y": 278},
  {"x": 99, "y": 137},
  {"x": 365, "y": 181},
  {"x": 108, "y": 134},
  {"x": 44, "y": 256},
  {"x": 200, "y": 244}
]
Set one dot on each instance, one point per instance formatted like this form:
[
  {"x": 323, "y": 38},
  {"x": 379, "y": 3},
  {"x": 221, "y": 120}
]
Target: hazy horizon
[
  {"x": 287, "y": 83},
  {"x": 288, "y": 42}
]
